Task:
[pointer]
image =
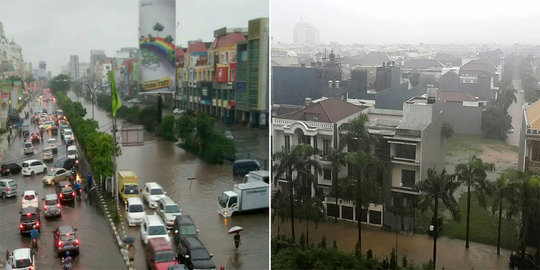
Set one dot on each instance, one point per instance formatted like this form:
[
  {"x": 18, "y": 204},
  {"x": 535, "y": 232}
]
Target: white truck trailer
[{"x": 246, "y": 197}]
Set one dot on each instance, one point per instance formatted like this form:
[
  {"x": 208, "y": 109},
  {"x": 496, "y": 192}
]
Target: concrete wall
[
  {"x": 463, "y": 119},
  {"x": 432, "y": 143},
  {"x": 393, "y": 98},
  {"x": 521, "y": 152}
]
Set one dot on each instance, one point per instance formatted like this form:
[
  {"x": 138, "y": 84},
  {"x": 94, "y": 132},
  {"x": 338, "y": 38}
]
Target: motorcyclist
[
  {"x": 67, "y": 261},
  {"x": 41, "y": 132},
  {"x": 89, "y": 181},
  {"x": 34, "y": 235},
  {"x": 78, "y": 188}
]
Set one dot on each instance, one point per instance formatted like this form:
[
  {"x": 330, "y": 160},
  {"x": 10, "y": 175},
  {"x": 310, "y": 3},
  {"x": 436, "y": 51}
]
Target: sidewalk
[{"x": 451, "y": 253}]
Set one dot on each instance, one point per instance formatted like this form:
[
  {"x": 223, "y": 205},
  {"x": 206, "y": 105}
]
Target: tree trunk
[
  {"x": 468, "y": 214},
  {"x": 336, "y": 190},
  {"x": 307, "y": 233},
  {"x": 359, "y": 219},
  {"x": 435, "y": 234},
  {"x": 292, "y": 208},
  {"x": 499, "y": 229}
]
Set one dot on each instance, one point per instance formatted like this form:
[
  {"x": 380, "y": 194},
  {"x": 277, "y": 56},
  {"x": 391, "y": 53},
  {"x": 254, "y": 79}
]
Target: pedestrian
[
  {"x": 131, "y": 255},
  {"x": 10, "y": 127},
  {"x": 9, "y": 139},
  {"x": 7, "y": 255},
  {"x": 237, "y": 240}
]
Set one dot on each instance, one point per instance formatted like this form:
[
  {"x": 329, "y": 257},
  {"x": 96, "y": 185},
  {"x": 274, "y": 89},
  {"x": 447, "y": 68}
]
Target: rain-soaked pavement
[
  {"x": 516, "y": 112},
  {"x": 451, "y": 253},
  {"x": 170, "y": 166},
  {"x": 97, "y": 249}
]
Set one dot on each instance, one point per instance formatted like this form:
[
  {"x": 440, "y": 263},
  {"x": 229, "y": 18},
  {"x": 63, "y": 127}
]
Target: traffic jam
[{"x": 41, "y": 133}]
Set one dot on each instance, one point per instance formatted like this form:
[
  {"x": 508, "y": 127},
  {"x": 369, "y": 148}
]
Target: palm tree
[
  {"x": 473, "y": 174},
  {"x": 434, "y": 188},
  {"x": 310, "y": 209},
  {"x": 502, "y": 190},
  {"x": 298, "y": 159},
  {"x": 356, "y": 136},
  {"x": 338, "y": 158},
  {"x": 363, "y": 185}
]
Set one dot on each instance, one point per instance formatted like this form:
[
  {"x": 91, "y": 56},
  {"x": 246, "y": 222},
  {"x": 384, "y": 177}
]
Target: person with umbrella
[
  {"x": 130, "y": 251},
  {"x": 236, "y": 230}
]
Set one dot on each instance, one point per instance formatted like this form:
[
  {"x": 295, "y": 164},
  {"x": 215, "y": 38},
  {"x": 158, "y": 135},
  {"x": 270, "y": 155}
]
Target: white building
[{"x": 305, "y": 33}]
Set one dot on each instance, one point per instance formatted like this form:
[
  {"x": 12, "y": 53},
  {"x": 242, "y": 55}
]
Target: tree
[
  {"x": 473, "y": 174},
  {"x": 296, "y": 160},
  {"x": 310, "y": 209},
  {"x": 356, "y": 136},
  {"x": 158, "y": 27},
  {"x": 502, "y": 191},
  {"x": 60, "y": 83},
  {"x": 169, "y": 39},
  {"x": 506, "y": 96},
  {"x": 167, "y": 128},
  {"x": 338, "y": 158},
  {"x": 434, "y": 188},
  {"x": 496, "y": 122},
  {"x": 363, "y": 185}
]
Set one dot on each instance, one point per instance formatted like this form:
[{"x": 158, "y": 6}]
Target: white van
[
  {"x": 153, "y": 227},
  {"x": 33, "y": 166},
  {"x": 135, "y": 211}
]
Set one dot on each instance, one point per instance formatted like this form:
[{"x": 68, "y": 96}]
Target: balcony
[
  {"x": 406, "y": 190},
  {"x": 405, "y": 161}
]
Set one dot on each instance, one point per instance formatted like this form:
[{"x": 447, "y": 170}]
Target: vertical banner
[{"x": 157, "y": 58}]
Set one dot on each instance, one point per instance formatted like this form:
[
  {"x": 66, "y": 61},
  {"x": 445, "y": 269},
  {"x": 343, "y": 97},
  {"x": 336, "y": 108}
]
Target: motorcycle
[
  {"x": 34, "y": 243},
  {"x": 67, "y": 264},
  {"x": 79, "y": 194}
]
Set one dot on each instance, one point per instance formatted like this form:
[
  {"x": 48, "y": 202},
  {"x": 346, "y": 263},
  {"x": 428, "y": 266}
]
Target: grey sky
[
  {"x": 52, "y": 30},
  {"x": 198, "y": 19},
  {"x": 411, "y": 21}
]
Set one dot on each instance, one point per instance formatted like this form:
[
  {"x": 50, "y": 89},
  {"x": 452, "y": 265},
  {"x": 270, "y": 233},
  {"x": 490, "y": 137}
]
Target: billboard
[
  {"x": 157, "y": 56},
  {"x": 221, "y": 74}
]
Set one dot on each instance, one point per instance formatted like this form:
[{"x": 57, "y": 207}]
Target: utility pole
[{"x": 115, "y": 176}]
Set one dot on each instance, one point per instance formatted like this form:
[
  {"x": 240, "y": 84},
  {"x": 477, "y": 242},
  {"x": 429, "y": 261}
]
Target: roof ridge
[{"x": 324, "y": 110}]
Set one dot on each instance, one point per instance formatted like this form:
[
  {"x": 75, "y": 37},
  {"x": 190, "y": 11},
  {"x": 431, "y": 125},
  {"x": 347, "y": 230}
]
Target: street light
[{"x": 434, "y": 233}]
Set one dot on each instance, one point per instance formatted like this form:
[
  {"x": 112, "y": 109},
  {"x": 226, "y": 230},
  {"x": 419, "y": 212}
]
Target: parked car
[
  {"x": 134, "y": 211},
  {"x": 194, "y": 254},
  {"x": 22, "y": 259},
  {"x": 65, "y": 191},
  {"x": 184, "y": 227},
  {"x": 48, "y": 154},
  {"x": 51, "y": 206},
  {"x": 134, "y": 101},
  {"x": 153, "y": 227},
  {"x": 33, "y": 166},
  {"x": 29, "y": 218},
  {"x": 229, "y": 135},
  {"x": 28, "y": 148},
  {"x": 168, "y": 210},
  {"x": 151, "y": 193},
  {"x": 8, "y": 188},
  {"x": 29, "y": 199},
  {"x": 56, "y": 175},
  {"x": 11, "y": 168},
  {"x": 242, "y": 166},
  {"x": 159, "y": 254},
  {"x": 66, "y": 239},
  {"x": 178, "y": 111}
]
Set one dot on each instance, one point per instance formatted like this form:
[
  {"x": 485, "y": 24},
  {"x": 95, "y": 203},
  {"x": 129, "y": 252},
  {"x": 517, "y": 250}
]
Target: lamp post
[{"x": 434, "y": 232}]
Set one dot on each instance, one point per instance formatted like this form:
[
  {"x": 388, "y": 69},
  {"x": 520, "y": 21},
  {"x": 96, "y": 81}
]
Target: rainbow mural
[{"x": 161, "y": 46}]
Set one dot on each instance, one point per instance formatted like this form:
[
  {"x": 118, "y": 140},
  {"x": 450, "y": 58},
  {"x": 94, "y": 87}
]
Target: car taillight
[
  {"x": 45, "y": 207},
  {"x": 61, "y": 195},
  {"x": 58, "y": 205},
  {"x": 7, "y": 170},
  {"x": 37, "y": 224},
  {"x": 21, "y": 226},
  {"x": 9, "y": 189},
  {"x": 60, "y": 243},
  {"x": 76, "y": 241},
  {"x": 72, "y": 193}
]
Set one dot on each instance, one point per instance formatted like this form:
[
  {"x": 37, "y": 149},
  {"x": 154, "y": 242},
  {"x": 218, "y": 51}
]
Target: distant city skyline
[{"x": 411, "y": 22}]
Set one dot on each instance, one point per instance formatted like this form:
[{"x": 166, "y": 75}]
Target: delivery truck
[
  {"x": 245, "y": 197},
  {"x": 127, "y": 185},
  {"x": 253, "y": 176}
]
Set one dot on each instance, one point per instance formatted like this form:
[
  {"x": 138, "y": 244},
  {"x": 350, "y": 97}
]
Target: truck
[
  {"x": 253, "y": 176},
  {"x": 246, "y": 197},
  {"x": 127, "y": 185}
]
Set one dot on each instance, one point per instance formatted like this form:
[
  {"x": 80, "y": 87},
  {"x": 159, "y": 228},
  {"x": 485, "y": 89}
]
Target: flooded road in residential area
[{"x": 163, "y": 162}]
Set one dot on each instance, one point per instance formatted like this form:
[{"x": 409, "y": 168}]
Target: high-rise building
[
  {"x": 74, "y": 67},
  {"x": 305, "y": 33}
]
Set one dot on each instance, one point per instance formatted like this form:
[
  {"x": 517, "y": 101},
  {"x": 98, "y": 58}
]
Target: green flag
[{"x": 116, "y": 101}]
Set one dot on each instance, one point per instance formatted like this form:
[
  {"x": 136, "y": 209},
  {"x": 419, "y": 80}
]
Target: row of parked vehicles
[{"x": 161, "y": 251}]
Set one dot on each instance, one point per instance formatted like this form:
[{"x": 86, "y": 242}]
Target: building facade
[{"x": 305, "y": 33}]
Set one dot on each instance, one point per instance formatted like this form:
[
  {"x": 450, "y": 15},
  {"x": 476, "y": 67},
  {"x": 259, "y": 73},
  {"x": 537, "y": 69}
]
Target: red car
[
  {"x": 35, "y": 137},
  {"x": 159, "y": 254}
]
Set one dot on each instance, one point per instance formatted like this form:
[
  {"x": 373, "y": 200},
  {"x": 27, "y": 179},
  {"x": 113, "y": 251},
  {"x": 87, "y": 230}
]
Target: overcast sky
[
  {"x": 411, "y": 21},
  {"x": 52, "y": 30}
]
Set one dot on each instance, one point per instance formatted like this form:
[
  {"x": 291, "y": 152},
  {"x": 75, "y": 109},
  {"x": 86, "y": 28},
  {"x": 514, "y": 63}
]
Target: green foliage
[
  {"x": 393, "y": 259},
  {"x": 334, "y": 244},
  {"x": 496, "y": 122},
  {"x": 446, "y": 130},
  {"x": 404, "y": 261},
  {"x": 323, "y": 242},
  {"x": 60, "y": 83},
  {"x": 166, "y": 130},
  {"x": 369, "y": 254},
  {"x": 302, "y": 240}
]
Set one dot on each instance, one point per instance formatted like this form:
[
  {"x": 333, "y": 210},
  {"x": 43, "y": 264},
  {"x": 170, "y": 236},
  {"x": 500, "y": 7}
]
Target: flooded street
[
  {"x": 93, "y": 229},
  {"x": 418, "y": 248},
  {"x": 163, "y": 162}
]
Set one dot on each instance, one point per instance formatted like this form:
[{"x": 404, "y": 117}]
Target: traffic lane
[{"x": 93, "y": 228}]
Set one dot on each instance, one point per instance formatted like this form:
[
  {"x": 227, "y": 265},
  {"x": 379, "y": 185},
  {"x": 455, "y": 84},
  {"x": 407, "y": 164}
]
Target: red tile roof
[
  {"x": 179, "y": 52},
  {"x": 228, "y": 39},
  {"x": 196, "y": 47},
  {"x": 456, "y": 96},
  {"x": 331, "y": 110}
]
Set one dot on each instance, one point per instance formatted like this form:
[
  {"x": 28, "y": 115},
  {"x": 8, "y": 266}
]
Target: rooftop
[
  {"x": 455, "y": 96},
  {"x": 327, "y": 111},
  {"x": 533, "y": 115},
  {"x": 228, "y": 39}
]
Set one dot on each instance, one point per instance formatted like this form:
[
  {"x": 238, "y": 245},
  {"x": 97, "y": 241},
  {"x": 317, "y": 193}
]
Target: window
[
  {"x": 307, "y": 140},
  {"x": 408, "y": 178},
  {"x": 326, "y": 147},
  {"x": 287, "y": 142},
  {"x": 315, "y": 143},
  {"x": 406, "y": 151},
  {"x": 327, "y": 174}
]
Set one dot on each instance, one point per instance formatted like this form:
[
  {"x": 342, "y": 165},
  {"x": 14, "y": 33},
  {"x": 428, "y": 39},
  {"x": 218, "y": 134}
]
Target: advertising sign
[
  {"x": 221, "y": 74},
  {"x": 157, "y": 28}
]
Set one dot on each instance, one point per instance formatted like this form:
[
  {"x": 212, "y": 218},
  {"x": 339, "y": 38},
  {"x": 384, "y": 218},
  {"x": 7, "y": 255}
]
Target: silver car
[
  {"x": 8, "y": 188},
  {"x": 51, "y": 206},
  {"x": 28, "y": 148}
]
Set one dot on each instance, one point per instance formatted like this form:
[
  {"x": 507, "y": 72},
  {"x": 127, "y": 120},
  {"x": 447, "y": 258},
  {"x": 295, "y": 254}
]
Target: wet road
[
  {"x": 93, "y": 229},
  {"x": 516, "y": 112},
  {"x": 171, "y": 166}
]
